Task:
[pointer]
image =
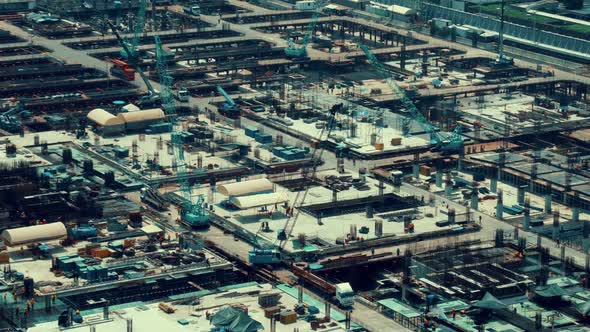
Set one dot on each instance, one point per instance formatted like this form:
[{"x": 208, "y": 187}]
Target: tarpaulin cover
[
  {"x": 550, "y": 291},
  {"x": 489, "y": 302}
]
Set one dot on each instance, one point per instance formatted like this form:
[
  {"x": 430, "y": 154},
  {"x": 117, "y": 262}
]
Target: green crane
[
  {"x": 447, "y": 144},
  {"x": 295, "y": 51},
  {"x": 138, "y": 26},
  {"x": 193, "y": 213}
]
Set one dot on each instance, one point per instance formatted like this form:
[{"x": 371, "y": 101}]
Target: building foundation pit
[{"x": 387, "y": 203}]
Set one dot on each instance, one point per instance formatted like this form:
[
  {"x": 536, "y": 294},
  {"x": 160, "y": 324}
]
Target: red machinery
[{"x": 122, "y": 69}]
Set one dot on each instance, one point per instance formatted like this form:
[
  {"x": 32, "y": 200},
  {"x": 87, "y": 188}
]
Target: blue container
[
  {"x": 263, "y": 138},
  {"x": 251, "y": 131},
  {"x": 121, "y": 152},
  {"x": 82, "y": 233}
]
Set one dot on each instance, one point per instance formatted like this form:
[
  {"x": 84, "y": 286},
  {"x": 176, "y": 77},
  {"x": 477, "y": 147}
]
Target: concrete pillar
[
  {"x": 500, "y": 205},
  {"x": 299, "y": 294},
  {"x": 347, "y": 323},
  {"x": 474, "y": 198},
  {"x": 527, "y": 214},
  {"x": 439, "y": 179},
  {"x": 327, "y": 310},
  {"x": 534, "y": 171},
  {"x": 415, "y": 170},
  {"x": 548, "y": 198},
  {"x": 105, "y": 311},
  {"x": 555, "y": 225},
  {"x": 451, "y": 215},
  {"x": 576, "y": 214},
  {"x": 563, "y": 258},
  {"x": 334, "y": 196},
  {"x": 520, "y": 194},
  {"x": 448, "y": 186},
  {"x": 493, "y": 184},
  {"x": 273, "y": 323},
  {"x": 369, "y": 211}
]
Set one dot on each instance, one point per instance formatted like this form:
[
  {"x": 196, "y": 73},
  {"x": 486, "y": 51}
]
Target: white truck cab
[
  {"x": 182, "y": 94},
  {"x": 194, "y": 10},
  {"x": 344, "y": 294}
]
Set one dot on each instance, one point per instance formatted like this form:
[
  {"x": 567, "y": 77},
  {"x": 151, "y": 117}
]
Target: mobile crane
[
  {"x": 295, "y": 51},
  {"x": 133, "y": 63},
  {"x": 274, "y": 254},
  {"x": 229, "y": 108},
  {"x": 446, "y": 144},
  {"x": 192, "y": 213}
]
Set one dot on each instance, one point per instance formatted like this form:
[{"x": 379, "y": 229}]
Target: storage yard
[{"x": 271, "y": 165}]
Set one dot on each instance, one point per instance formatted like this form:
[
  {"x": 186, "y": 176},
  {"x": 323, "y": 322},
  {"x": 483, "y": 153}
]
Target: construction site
[{"x": 282, "y": 165}]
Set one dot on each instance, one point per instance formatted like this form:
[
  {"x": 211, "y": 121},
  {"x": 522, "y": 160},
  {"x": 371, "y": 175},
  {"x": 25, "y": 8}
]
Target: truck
[
  {"x": 121, "y": 69},
  {"x": 182, "y": 94},
  {"x": 344, "y": 294},
  {"x": 192, "y": 10}
]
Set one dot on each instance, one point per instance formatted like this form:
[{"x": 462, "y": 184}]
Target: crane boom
[
  {"x": 447, "y": 144},
  {"x": 298, "y": 52},
  {"x": 133, "y": 61},
  {"x": 227, "y": 97},
  {"x": 132, "y": 49},
  {"x": 192, "y": 213}
]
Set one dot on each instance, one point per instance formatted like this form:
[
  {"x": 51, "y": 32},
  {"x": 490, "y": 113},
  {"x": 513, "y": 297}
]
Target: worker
[
  {"x": 53, "y": 297},
  {"x": 398, "y": 251},
  {"x": 14, "y": 297},
  {"x": 33, "y": 304},
  {"x": 453, "y": 313},
  {"x": 17, "y": 310}
]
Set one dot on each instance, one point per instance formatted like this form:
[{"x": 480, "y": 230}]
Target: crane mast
[
  {"x": 192, "y": 213},
  {"x": 452, "y": 143},
  {"x": 292, "y": 50}
]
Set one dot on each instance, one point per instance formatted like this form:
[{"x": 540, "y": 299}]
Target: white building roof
[
  {"x": 145, "y": 115},
  {"x": 103, "y": 118},
  {"x": 34, "y": 234},
  {"x": 245, "y": 187},
  {"x": 400, "y": 10},
  {"x": 252, "y": 201}
]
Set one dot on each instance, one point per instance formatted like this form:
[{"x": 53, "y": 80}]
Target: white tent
[{"x": 245, "y": 187}]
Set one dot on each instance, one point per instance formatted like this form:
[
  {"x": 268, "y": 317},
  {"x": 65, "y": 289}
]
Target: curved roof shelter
[
  {"x": 34, "y": 234},
  {"x": 103, "y": 118},
  {"x": 245, "y": 187},
  {"x": 252, "y": 201},
  {"x": 145, "y": 115}
]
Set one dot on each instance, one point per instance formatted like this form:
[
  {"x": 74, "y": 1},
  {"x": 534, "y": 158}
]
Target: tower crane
[
  {"x": 295, "y": 51},
  {"x": 192, "y": 213},
  {"x": 446, "y": 144}
]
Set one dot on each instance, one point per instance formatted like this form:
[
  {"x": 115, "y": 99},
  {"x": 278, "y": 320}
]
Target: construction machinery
[
  {"x": 153, "y": 96},
  {"x": 300, "y": 51},
  {"x": 10, "y": 119},
  {"x": 122, "y": 70},
  {"x": 452, "y": 143},
  {"x": 264, "y": 254},
  {"x": 229, "y": 109},
  {"x": 132, "y": 47},
  {"x": 193, "y": 214},
  {"x": 274, "y": 254}
]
